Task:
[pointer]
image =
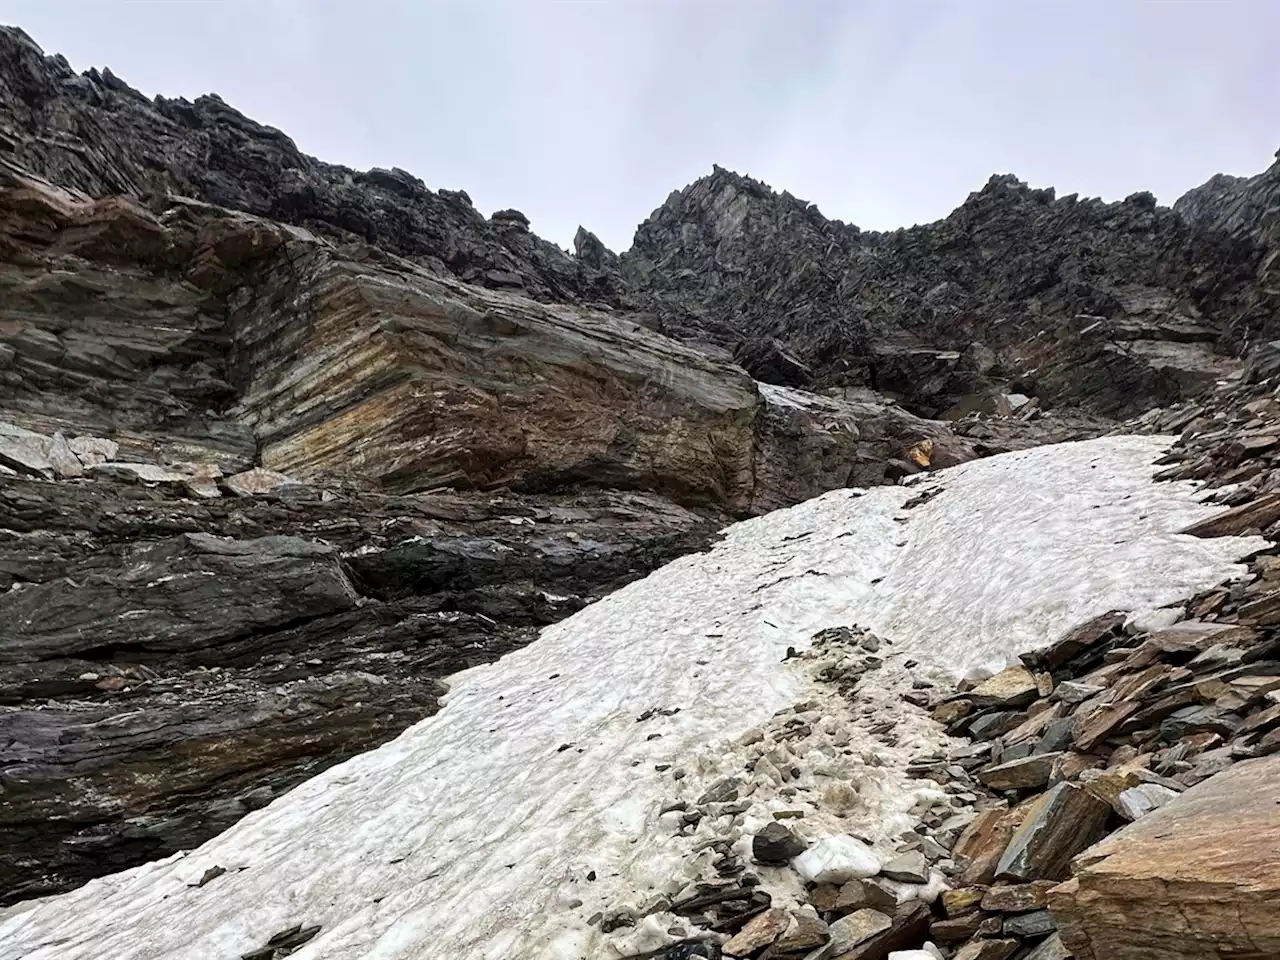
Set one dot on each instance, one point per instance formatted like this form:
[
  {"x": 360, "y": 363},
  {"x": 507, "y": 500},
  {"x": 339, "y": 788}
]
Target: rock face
[
  {"x": 1198, "y": 878},
  {"x": 93, "y": 133},
  {"x": 1117, "y": 307},
  {"x": 1113, "y": 306},
  {"x": 263, "y": 483}
]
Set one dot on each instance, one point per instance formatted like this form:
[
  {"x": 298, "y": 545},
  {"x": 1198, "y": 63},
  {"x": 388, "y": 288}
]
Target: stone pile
[{"x": 27, "y": 453}]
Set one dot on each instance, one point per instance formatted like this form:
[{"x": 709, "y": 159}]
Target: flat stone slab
[{"x": 1197, "y": 878}]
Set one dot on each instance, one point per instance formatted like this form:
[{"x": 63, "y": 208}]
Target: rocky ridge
[
  {"x": 412, "y": 435},
  {"x": 1114, "y": 307}
]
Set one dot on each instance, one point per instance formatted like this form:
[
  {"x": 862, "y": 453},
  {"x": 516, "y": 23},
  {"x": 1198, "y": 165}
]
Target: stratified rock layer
[{"x": 1198, "y": 878}]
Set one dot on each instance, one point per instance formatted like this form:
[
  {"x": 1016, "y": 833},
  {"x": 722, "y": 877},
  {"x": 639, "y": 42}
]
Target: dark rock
[
  {"x": 907, "y": 868},
  {"x": 1077, "y": 641},
  {"x": 776, "y": 844},
  {"x": 1029, "y": 925},
  {"x": 1060, "y": 824},
  {"x": 724, "y": 791},
  {"x": 909, "y": 925},
  {"x": 958, "y": 928},
  {"x": 693, "y": 950},
  {"x": 987, "y": 950}
]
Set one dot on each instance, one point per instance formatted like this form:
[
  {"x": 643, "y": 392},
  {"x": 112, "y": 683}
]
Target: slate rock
[
  {"x": 1060, "y": 824},
  {"x": 1029, "y": 925},
  {"x": 987, "y": 950},
  {"x": 805, "y": 933},
  {"x": 858, "y": 927},
  {"x": 776, "y": 844},
  {"x": 1010, "y": 688},
  {"x": 911, "y": 867},
  {"x": 1023, "y": 774},
  {"x": 1199, "y": 877},
  {"x": 760, "y": 931}
]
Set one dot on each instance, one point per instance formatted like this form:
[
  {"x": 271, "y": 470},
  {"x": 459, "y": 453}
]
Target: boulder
[
  {"x": 776, "y": 844},
  {"x": 1060, "y": 824},
  {"x": 1197, "y": 879},
  {"x": 1011, "y": 688},
  {"x": 760, "y": 931}
]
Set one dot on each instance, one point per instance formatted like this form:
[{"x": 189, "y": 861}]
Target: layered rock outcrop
[{"x": 260, "y": 489}]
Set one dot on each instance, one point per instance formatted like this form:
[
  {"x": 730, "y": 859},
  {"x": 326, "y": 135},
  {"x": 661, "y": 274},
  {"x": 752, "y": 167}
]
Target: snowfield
[{"x": 497, "y": 828}]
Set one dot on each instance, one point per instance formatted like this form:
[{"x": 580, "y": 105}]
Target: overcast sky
[{"x": 884, "y": 113}]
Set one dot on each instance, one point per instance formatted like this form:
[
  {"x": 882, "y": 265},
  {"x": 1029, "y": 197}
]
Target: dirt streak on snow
[{"x": 476, "y": 833}]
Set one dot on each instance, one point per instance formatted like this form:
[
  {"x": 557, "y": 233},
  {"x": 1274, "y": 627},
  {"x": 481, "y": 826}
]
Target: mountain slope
[{"x": 534, "y": 800}]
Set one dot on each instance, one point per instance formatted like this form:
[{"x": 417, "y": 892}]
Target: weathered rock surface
[
  {"x": 157, "y": 682},
  {"x": 227, "y": 446},
  {"x": 1198, "y": 878},
  {"x": 1115, "y": 306}
]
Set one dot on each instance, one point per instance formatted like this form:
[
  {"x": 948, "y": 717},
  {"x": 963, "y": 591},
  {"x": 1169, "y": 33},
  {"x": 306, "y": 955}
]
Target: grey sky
[{"x": 885, "y": 113}]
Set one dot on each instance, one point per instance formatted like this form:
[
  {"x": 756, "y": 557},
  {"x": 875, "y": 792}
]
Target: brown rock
[
  {"x": 1044, "y": 684},
  {"x": 1263, "y": 612},
  {"x": 1198, "y": 878},
  {"x": 1194, "y": 636},
  {"x": 910, "y": 926},
  {"x": 1011, "y": 687},
  {"x": 951, "y": 711},
  {"x": 984, "y": 842},
  {"x": 987, "y": 950},
  {"x": 1058, "y": 825},
  {"x": 962, "y": 900},
  {"x": 1076, "y": 641},
  {"x": 859, "y": 894},
  {"x": 760, "y": 931},
  {"x": 1104, "y": 723},
  {"x": 1107, "y": 785},
  {"x": 1257, "y": 514},
  {"x": 823, "y": 897},
  {"x": 956, "y": 928},
  {"x": 1018, "y": 898},
  {"x": 805, "y": 933},
  {"x": 1024, "y": 774},
  {"x": 848, "y": 932}
]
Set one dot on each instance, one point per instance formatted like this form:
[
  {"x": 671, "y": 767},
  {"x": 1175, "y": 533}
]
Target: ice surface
[
  {"x": 498, "y": 827},
  {"x": 837, "y": 859}
]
